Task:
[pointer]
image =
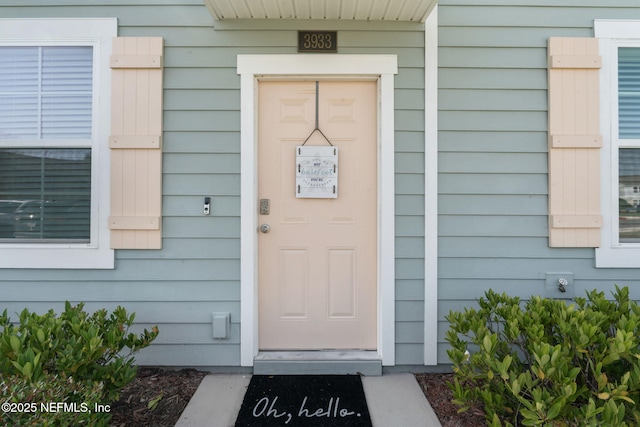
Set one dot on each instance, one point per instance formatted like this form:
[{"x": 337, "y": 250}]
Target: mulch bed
[
  {"x": 436, "y": 388},
  {"x": 155, "y": 398}
]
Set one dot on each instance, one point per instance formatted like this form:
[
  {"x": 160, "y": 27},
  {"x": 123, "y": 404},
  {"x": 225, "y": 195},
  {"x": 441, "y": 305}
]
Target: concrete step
[{"x": 317, "y": 363}]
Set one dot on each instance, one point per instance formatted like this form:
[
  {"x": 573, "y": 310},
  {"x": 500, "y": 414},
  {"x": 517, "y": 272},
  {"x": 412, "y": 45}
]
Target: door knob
[{"x": 265, "y": 228}]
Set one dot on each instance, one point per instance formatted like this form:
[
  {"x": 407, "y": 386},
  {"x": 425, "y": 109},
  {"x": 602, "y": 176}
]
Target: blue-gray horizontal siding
[
  {"x": 493, "y": 150},
  {"x": 198, "y": 270}
]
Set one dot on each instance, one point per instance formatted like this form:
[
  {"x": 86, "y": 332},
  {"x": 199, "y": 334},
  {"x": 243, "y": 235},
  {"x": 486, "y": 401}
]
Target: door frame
[{"x": 253, "y": 68}]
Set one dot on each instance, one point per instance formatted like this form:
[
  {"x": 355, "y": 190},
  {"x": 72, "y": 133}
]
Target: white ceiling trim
[{"x": 366, "y": 10}]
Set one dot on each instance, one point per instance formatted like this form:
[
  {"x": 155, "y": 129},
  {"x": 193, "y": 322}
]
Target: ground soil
[
  {"x": 439, "y": 395},
  {"x": 172, "y": 390}
]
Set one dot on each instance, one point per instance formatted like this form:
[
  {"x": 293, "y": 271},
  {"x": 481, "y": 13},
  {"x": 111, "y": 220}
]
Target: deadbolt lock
[{"x": 265, "y": 206}]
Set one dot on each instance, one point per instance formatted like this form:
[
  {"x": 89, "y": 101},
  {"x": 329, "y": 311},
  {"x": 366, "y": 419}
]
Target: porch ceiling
[{"x": 368, "y": 10}]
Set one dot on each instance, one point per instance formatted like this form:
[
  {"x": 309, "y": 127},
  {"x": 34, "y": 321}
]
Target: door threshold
[{"x": 322, "y": 362}]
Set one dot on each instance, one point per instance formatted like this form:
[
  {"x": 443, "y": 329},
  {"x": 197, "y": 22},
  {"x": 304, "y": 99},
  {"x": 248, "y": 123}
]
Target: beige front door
[{"x": 317, "y": 263}]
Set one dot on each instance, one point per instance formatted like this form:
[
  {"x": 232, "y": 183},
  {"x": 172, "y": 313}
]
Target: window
[
  {"x": 54, "y": 127},
  {"x": 628, "y": 137},
  {"x": 620, "y": 112},
  {"x": 46, "y": 94}
]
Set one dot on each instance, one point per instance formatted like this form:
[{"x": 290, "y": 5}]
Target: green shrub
[
  {"x": 549, "y": 363},
  {"x": 54, "y": 400},
  {"x": 74, "y": 358}
]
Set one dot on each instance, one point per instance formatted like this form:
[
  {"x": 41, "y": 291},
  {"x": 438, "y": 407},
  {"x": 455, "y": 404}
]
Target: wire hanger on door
[{"x": 317, "y": 128}]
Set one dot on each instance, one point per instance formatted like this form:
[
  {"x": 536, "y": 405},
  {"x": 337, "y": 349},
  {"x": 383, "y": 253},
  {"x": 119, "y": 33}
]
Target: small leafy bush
[
  {"x": 549, "y": 363},
  {"x": 74, "y": 358},
  {"x": 66, "y": 402}
]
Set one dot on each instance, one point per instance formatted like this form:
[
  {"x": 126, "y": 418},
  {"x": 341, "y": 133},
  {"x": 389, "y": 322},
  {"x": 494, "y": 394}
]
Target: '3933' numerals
[{"x": 316, "y": 40}]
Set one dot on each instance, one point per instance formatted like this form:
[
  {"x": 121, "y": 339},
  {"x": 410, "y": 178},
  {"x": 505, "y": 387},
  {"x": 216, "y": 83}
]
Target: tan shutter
[
  {"x": 136, "y": 143},
  {"x": 574, "y": 142}
]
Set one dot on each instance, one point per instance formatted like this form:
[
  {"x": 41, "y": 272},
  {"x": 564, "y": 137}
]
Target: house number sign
[
  {"x": 318, "y": 41},
  {"x": 316, "y": 172}
]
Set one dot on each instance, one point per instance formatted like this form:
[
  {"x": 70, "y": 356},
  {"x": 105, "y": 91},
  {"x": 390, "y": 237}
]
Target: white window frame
[
  {"x": 613, "y": 34},
  {"x": 97, "y": 33}
]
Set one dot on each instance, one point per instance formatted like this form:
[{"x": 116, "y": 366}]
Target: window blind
[
  {"x": 46, "y": 92},
  {"x": 629, "y": 92},
  {"x": 46, "y": 194}
]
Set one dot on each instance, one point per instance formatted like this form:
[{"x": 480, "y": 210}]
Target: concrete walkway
[{"x": 394, "y": 400}]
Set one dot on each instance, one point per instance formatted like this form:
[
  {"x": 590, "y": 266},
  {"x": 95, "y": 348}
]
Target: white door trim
[
  {"x": 431, "y": 191},
  {"x": 252, "y": 67}
]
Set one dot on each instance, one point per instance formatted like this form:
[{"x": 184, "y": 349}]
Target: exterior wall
[
  {"x": 198, "y": 270},
  {"x": 493, "y": 230},
  {"x": 493, "y": 224}
]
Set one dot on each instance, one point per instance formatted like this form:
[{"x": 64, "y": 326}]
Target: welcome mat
[{"x": 304, "y": 401}]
